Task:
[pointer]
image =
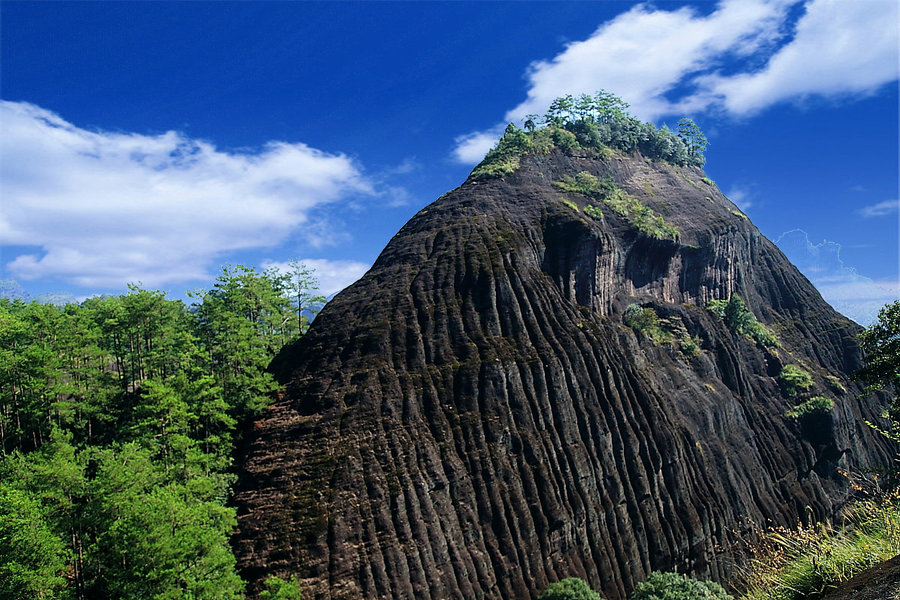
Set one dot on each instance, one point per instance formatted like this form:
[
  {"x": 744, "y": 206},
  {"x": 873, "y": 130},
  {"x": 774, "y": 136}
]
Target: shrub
[
  {"x": 499, "y": 167},
  {"x": 504, "y": 158},
  {"x": 646, "y": 322},
  {"x": 571, "y": 588},
  {"x": 565, "y": 140},
  {"x": 641, "y": 319},
  {"x": 583, "y": 183},
  {"x": 815, "y": 405},
  {"x": 739, "y": 319},
  {"x": 279, "y": 589},
  {"x": 672, "y": 586},
  {"x": 718, "y": 307},
  {"x": 592, "y": 211},
  {"x": 689, "y": 346},
  {"x": 793, "y": 379}
]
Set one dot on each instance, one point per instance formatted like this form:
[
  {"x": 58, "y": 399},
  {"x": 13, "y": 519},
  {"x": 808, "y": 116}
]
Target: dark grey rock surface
[{"x": 472, "y": 419}]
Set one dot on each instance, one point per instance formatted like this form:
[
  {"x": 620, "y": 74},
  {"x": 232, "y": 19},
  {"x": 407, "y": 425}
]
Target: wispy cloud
[
  {"x": 102, "y": 209},
  {"x": 856, "y": 296},
  {"x": 741, "y": 196},
  {"x": 644, "y": 53},
  {"x": 672, "y": 62},
  {"x": 839, "y": 48},
  {"x": 881, "y": 209},
  {"x": 333, "y": 275},
  {"x": 472, "y": 147}
]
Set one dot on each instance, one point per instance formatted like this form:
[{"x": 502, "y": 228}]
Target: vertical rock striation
[{"x": 472, "y": 419}]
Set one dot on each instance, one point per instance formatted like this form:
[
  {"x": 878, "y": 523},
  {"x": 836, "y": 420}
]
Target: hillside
[{"x": 487, "y": 411}]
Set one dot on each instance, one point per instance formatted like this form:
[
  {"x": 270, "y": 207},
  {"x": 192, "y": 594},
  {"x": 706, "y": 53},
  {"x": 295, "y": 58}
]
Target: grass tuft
[{"x": 804, "y": 562}]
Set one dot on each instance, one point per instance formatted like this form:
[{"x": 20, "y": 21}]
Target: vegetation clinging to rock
[
  {"x": 571, "y": 588},
  {"x": 673, "y": 586},
  {"x": 598, "y": 123},
  {"x": 812, "y": 406},
  {"x": 802, "y": 563},
  {"x": 605, "y": 190},
  {"x": 793, "y": 379},
  {"x": 739, "y": 319}
]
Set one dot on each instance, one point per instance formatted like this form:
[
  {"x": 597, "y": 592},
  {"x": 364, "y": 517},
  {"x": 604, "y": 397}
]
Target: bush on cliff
[
  {"x": 672, "y": 586},
  {"x": 571, "y": 588}
]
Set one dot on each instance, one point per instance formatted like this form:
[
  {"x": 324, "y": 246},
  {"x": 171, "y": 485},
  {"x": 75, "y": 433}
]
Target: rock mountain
[{"x": 475, "y": 419}]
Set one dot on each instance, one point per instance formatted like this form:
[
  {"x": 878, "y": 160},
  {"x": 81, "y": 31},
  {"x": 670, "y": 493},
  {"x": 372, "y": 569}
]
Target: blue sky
[{"x": 154, "y": 142}]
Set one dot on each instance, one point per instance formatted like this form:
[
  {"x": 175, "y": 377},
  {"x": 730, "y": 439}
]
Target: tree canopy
[
  {"x": 881, "y": 344},
  {"x": 118, "y": 421},
  {"x": 598, "y": 123}
]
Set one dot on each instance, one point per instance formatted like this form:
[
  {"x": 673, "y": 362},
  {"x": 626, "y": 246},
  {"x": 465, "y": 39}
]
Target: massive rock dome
[{"x": 474, "y": 418}]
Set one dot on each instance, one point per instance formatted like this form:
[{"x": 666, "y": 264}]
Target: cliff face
[{"x": 472, "y": 419}]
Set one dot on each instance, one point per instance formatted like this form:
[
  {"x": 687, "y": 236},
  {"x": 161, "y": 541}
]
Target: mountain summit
[{"x": 578, "y": 363}]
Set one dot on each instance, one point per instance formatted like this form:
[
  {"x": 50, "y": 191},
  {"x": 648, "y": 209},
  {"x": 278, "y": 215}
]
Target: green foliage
[
  {"x": 689, "y": 346},
  {"x": 739, "y": 319},
  {"x": 673, "y": 586},
  {"x": 593, "y": 211},
  {"x": 571, "y": 588},
  {"x": 279, "y": 589},
  {"x": 583, "y": 183},
  {"x": 881, "y": 344},
  {"x": 648, "y": 222},
  {"x": 598, "y": 124},
  {"x": 244, "y": 319},
  {"x": 132, "y": 527},
  {"x": 641, "y": 319},
  {"x": 817, "y": 405},
  {"x": 793, "y": 380},
  {"x": 570, "y": 204},
  {"x": 718, "y": 307},
  {"x": 117, "y": 419},
  {"x": 496, "y": 167},
  {"x": 605, "y": 190},
  {"x": 802, "y": 563},
  {"x": 694, "y": 140},
  {"x": 565, "y": 140},
  {"x": 302, "y": 283},
  {"x": 646, "y": 322},
  {"x": 33, "y": 557},
  {"x": 503, "y": 159},
  {"x": 707, "y": 181}
]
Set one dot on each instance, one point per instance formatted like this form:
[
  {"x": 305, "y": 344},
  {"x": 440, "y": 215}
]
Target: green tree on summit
[{"x": 693, "y": 138}]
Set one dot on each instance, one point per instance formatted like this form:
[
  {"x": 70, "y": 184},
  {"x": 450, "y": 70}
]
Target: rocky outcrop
[{"x": 473, "y": 419}]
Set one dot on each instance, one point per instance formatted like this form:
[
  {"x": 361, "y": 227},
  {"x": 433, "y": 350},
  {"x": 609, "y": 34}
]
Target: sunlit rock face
[{"x": 473, "y": 418}]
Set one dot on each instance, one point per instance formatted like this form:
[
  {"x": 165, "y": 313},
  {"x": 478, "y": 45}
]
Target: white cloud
[
  {"x": 644, "y": 53},
  {"x": 740, "y": 196},
  {"x": 854, "y": 295},
  {"x": 333, "y": 275},
  {"x": 647, "y": 56},
  {"x": 107, "y": 208},
  {"x": 881, "y": 209},
  {"x": 472, "y": 147},
  {"x": 839, "y": 48}
]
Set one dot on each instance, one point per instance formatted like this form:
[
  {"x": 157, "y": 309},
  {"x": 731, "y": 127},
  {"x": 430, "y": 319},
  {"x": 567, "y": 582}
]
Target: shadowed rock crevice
[{"x": 473, "y": 419}]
